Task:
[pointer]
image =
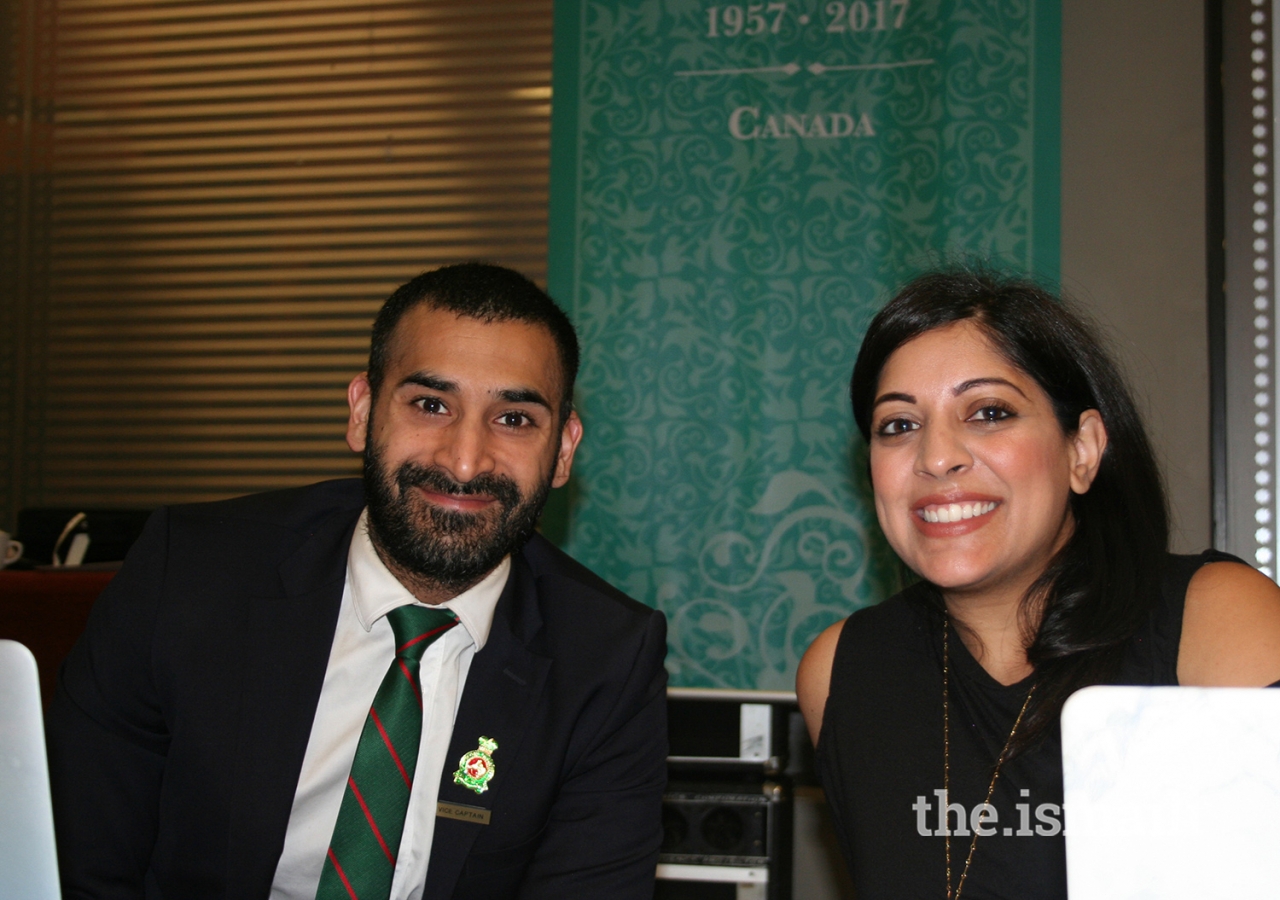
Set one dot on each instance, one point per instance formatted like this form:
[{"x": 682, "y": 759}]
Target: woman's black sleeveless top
[{"x": 880, "y": 752}]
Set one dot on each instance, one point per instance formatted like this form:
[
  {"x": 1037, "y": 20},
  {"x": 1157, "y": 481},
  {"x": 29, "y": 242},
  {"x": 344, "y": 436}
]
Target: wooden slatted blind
[
  {"x": 26, "y": 129},
  {"x": 236, "y": 186}
]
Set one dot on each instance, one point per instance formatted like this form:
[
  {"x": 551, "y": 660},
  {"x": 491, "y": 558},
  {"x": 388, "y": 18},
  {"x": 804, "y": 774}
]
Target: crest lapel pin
[{"x": 476, "y": 769}]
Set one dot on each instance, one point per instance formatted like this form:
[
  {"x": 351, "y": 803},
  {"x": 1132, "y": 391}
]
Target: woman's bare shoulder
[
  {"x": 813, "y": 678},
  {"x": 1230, "y": 628}
]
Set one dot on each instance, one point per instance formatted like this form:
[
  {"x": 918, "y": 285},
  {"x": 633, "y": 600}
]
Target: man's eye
[
  {"x": 514, "y": 419},
  {"x": 891, "y": 427},
  {"x": 433, "y": 405}
]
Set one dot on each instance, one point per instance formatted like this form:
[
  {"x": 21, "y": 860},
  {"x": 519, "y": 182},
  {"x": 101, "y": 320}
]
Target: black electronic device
[
  {"x": 717, "y": 824},
  {"x": 727, "y": 812},
  {"x": 725, "y": 728},
  {"x": 727, "y": 835}
]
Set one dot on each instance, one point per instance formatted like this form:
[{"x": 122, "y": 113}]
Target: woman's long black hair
[{"x": 1101, "y": 586}]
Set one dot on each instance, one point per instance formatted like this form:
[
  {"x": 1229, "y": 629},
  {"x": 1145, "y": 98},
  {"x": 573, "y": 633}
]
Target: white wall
[{"x": 1133, "y": 218}]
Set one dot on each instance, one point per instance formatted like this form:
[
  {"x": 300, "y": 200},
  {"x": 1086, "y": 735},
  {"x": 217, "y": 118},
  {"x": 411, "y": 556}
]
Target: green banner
[{"x": 736, "y": 189}]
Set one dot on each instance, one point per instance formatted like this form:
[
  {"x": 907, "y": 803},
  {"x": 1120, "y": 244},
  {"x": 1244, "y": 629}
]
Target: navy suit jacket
[{"x": 182, "y": 715}]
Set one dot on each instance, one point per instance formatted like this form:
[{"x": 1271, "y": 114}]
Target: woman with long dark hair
[{"x": 1013, "y": 475}]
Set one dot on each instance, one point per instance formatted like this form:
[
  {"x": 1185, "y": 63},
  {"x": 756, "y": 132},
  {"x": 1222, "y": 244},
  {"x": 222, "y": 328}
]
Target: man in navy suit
[{"x": 208, "y": 732}]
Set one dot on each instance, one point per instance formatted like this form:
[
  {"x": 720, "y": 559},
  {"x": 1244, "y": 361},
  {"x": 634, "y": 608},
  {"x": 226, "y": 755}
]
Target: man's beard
[{"x": 446, "y": 547}]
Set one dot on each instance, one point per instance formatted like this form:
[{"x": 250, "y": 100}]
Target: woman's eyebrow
[
  {"x": 957, "y": 390},
  {"x": 979, "y": 382},
  {"x": 893, "y": 395}
]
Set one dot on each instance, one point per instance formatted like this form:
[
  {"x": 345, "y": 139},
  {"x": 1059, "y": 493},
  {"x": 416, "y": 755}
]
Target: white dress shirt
[{"x": 363, "y": 649}]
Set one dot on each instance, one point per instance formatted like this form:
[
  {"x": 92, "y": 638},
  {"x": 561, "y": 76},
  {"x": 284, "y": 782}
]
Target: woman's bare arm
[
  {"x": 813, "y": 678},
  {"x": 1230, "y": 628}
]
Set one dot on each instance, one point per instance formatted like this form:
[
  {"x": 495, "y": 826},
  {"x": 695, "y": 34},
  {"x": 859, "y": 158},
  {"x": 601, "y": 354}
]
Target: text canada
[{"x": 750, "y": 123}]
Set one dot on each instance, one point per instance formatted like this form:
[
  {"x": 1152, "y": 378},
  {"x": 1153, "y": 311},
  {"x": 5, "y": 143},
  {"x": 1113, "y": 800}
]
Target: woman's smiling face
[{"x": 972, "y": 471}]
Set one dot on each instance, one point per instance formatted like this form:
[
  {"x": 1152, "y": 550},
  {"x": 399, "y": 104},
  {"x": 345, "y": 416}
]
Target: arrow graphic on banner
[
  {"x": 816, "y": 68},
  {"x": 788, "y": 69},
  {"x": 820, "y": 69}
]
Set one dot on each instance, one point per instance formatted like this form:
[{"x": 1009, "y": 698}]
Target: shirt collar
[{"x": 375, "y": 591}]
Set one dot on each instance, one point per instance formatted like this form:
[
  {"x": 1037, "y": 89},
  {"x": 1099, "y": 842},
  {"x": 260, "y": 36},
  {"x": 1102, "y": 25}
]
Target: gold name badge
[{"x": 463, "y": 813}]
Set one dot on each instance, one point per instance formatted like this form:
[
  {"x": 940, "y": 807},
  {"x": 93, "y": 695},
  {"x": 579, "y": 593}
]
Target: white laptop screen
[
  {"x": 1172, "y": 792},
  {"x": 28, "y": 860}
]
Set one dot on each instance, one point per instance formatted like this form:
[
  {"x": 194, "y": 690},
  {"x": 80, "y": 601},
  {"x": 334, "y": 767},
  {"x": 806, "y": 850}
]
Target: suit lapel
[
  {"x": 503, "y": 686},
  {"x": 287, "y": 642}
]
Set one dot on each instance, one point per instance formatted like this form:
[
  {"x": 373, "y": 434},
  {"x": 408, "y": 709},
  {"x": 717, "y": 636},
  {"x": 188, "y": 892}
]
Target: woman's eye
[
  {"x": 896, "y": 426},
  {"x": 992, "y": 414}
]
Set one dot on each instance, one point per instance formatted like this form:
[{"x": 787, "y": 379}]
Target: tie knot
[{"x": 416, "y": 627}]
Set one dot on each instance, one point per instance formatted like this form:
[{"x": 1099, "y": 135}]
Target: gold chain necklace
[{"x": 946, "y": 760}]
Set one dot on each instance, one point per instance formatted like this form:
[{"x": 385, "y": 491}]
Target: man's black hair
[{"x": 478, "y": 291}]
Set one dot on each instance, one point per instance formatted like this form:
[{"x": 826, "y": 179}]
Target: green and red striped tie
[{"x": 366, "y": 839}]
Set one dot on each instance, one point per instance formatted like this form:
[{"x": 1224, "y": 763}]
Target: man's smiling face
[{"x": 461, "y": 444}]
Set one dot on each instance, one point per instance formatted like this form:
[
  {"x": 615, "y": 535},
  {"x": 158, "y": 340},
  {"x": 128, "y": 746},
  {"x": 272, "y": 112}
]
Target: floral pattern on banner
[{"x": 736, "y": 231}]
